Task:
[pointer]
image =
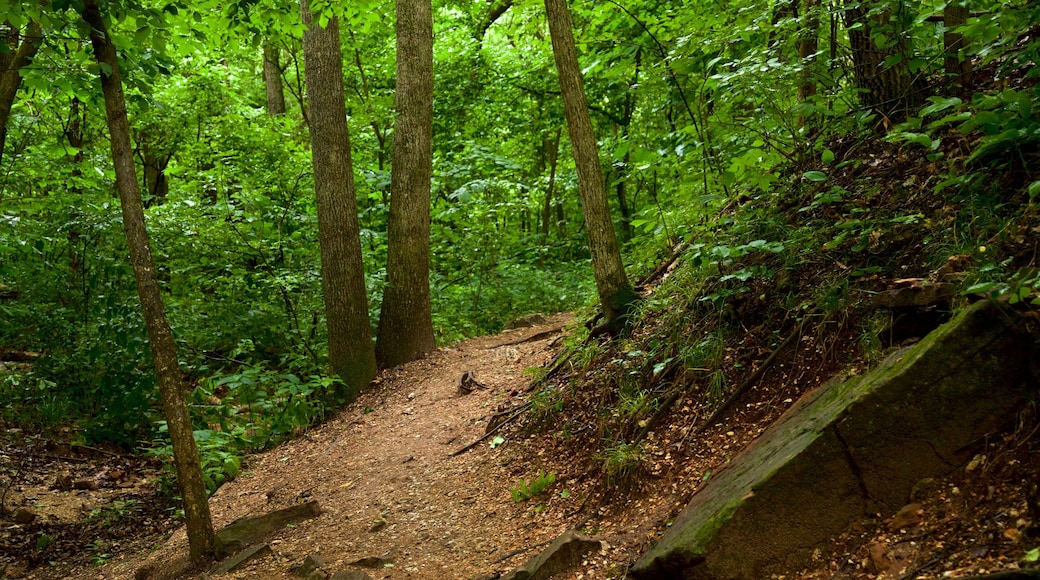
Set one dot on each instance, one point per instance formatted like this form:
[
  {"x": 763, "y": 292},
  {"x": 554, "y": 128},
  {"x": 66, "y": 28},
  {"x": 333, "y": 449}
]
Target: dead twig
[
  {"x": 665, "y": 266},
  {"x": 491, "y": 432},
  {"x": 561, "y": 359},
  {"x": 519, "y": 551},
  {"x": 751, "y": 380},
  {"x": 532, "y": 338}
]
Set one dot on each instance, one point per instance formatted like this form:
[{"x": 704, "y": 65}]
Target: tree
[
  {"x": 20, "y": 51},
  {"x": 405, "y": 323},
  {"x": 881, "y": 56},
  {"x": 160, "y": 337},
  {"x": 351, "y": 354},
  {"x": 957, "y": 64},
  {"x": 615, "y": 291},
  {"x": 273, "y": 79}
]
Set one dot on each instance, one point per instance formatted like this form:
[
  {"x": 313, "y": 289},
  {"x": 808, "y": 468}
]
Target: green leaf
[
  {"x": 1034, "y": 190},
  {"x": 940, "y": 104},
  {"x": 982, "y": 288},
  {"x": 827, "y": 156},
  {"x": 815, "y": 176},
  {"x": 498, "y": 440},
  {"x": 1032, "y": 555}
]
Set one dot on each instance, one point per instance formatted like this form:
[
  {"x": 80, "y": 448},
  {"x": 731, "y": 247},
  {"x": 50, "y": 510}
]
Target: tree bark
[
  {"x": 808, "y": 44},
  {"x": 11, "y": 64},
  {"x": 156, "y": 183},
  {"x": 405, "y": 322},
  {"x": 164, "y": 350},
  {"x": 958, "y": 65},
  {"x": 273, "y": 79},
  {"x": 890, "y": 90},
  {"x": 615, "y": 291},
  {"x": 552, "y": 150},
  {"x": 351, "y": 354}
]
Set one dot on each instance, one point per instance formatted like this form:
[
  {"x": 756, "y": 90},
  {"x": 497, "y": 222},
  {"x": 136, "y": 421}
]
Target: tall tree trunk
[
  {"x": 552, "y": 148},
  {"x": 22, "y": 49},
  {"x": 273, "y": 79},
  {"x": 351, "y": 354},
  {"x": 164, "y": 350},
  {"x": 957, "y": 64},
  {"x": 891, "y": 89},
  {"x": 808, "y": 44},
  {"x": 405, "y": 323},
  {"x": 615, "y": 291}
]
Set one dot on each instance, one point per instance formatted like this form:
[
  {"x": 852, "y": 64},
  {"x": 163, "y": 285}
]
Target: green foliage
[
  {"x": 703, "y": 137},
  {"x": 526, "y": 490},
  {"x": 1022, "y": 286}
]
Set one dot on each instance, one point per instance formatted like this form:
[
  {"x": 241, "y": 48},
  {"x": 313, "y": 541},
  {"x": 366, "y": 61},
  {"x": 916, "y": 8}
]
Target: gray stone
[
  {"x": 562, "y": 554},
  {"x": 244, "y": 532},
  {"x": 849, "y": 449},
  {"x": 311, "y": 564},
  {"x": 240, "y": 559}
]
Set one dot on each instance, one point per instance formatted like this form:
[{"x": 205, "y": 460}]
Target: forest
[{"x": 221, "y": 220}]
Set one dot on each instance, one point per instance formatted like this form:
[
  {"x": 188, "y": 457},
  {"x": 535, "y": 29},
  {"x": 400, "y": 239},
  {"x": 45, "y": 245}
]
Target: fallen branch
[
  {"x": 532, "y": 338},
  {"x": 750, "y": 381},
  {"x": 519, "y": 551},
  {"x": 561, "y": 359},
  {"x": 491, "y": 432},
  {"x": 664, "y": 266}
]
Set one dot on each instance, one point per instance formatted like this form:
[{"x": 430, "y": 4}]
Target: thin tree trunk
[
  {"x": 164, "y": 350},
  {"x": 405, "y": 322},
  {"x": 273, "y": 79},
  {"x": 958, "y": 64},
  {"x": 615, "y": 291},
  {"x": 11, "y": 64},
  {"x": 351, "y": 355},
  {"x": 808, "y": 44},
  {"x": 552, "y": 147}
]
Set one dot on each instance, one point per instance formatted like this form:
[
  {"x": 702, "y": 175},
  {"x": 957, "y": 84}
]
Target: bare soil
[{"x": 399, "y": 501}]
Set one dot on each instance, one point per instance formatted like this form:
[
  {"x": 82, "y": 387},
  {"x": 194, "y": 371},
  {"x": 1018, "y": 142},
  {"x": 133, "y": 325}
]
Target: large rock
[
  {"x": 851, "y": 448},
  {"x": 562, "y": 554}
]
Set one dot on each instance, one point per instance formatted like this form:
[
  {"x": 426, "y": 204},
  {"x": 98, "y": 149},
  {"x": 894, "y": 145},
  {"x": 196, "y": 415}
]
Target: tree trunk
[
  {"x": 552, "y": 148},
  {"x": 808, "y": 44},
  {"x": 351, "y": 355},
  {"x": 615, "y": 291},
  {"x": 22, "y": 51},
  {"x": 164, "y": 350},
  {"x": 156, "y": 184},
  {"x": 405, "y": 323},
  {"x": 958, "y": 65},
  {"x": 273, "y": 80},
  {"x": 890, "y": 90}
]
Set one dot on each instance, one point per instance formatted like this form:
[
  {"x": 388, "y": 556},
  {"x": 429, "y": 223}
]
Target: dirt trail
[{"x": 383, "y": 474}]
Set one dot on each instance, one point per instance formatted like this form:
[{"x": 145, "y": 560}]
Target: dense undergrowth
[{"x": 787, "y": 278}]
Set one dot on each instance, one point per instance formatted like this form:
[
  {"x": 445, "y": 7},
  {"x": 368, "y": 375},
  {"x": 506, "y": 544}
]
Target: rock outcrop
[{"x": 850, "y": 448}]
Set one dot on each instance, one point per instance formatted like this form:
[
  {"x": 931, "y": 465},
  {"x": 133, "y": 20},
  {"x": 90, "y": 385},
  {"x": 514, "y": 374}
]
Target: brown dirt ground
[
  {"x": 383, "y": 474},
  {"x": 397, "y": 504}
]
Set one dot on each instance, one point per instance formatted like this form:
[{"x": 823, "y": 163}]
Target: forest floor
[{"x": 399, "y": 501}]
